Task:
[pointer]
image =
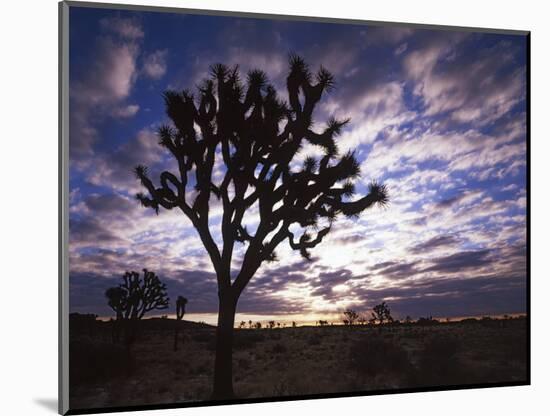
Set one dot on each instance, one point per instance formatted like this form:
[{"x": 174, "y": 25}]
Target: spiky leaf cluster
[
  {"x": 135, "y": 296},
  {"x": 258, "y": 137}
]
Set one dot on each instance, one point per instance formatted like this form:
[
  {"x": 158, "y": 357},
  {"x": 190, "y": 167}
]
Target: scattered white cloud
[
  {"x": 102, "y": 87},
  {"x": 401, "y": 48},
  {"x": 126, "y": 111},
  {"x": 127, "y": 28},
  {"x": 154, "y": 65}
]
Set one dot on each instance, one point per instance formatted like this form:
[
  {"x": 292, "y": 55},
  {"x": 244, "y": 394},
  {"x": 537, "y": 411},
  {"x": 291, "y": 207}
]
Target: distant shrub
[
  {"x": 427, "y": 321},
  {"x": 489, "y": 322},
  {"x": 98, "y": 361},
  {"x": 375, "y": 355}
]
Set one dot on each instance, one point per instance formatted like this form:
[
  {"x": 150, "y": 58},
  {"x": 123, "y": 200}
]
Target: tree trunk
[{"x": 223, "y": 367}]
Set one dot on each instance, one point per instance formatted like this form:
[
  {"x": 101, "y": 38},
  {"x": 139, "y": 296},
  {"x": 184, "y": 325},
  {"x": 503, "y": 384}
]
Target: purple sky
[{"x": 438, "y": 116}]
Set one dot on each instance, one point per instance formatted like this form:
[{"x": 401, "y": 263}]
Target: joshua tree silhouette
[
  {"x": 244, "y": 131},
  {"x": 134, "y": 297},
  {"x": 116, "y": 300},
  {"x": 350, "y": 317},
  {"x": 381, "y": 313},
  {"x": 180, "y": 312}
]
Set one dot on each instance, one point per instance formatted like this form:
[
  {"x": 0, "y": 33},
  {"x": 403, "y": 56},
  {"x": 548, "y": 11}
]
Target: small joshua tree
[
  {"x": 271, "y": 324},
  {"x": 180, "y": 312},
  {"x": 245, "y": 131},
  {"x": 381, "y": 313},
  {"x": 350, "y": 316},
  {"x": 134, "y": 297},
  {"x": 116, "y": 298}
]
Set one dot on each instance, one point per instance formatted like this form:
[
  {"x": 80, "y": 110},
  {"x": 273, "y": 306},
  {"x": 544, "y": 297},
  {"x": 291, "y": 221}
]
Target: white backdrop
[{"x": 28, "y": 207}]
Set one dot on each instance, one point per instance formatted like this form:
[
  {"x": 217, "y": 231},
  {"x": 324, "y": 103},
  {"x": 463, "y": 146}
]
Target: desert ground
[{"x": 290, "y": 361}]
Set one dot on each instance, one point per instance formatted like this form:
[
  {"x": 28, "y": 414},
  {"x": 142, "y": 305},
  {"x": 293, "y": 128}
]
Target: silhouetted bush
[
  {"x": 374, "y": 355},
  {"x": 427, "y": 321},
  {"x": 98, "y": 361},
  {"x": 489, "y": 322},
  {"x": 469, "y": 321}
]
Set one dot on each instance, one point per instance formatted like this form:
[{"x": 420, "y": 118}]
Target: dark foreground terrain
[{"x": 290, "y": 361}]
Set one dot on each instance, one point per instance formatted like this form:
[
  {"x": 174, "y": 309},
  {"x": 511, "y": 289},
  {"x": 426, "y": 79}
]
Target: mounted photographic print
[{"x": 262, "y": 208}]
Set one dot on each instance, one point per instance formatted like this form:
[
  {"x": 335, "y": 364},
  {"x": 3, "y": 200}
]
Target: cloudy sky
[{"x": 438, "y": 116}]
